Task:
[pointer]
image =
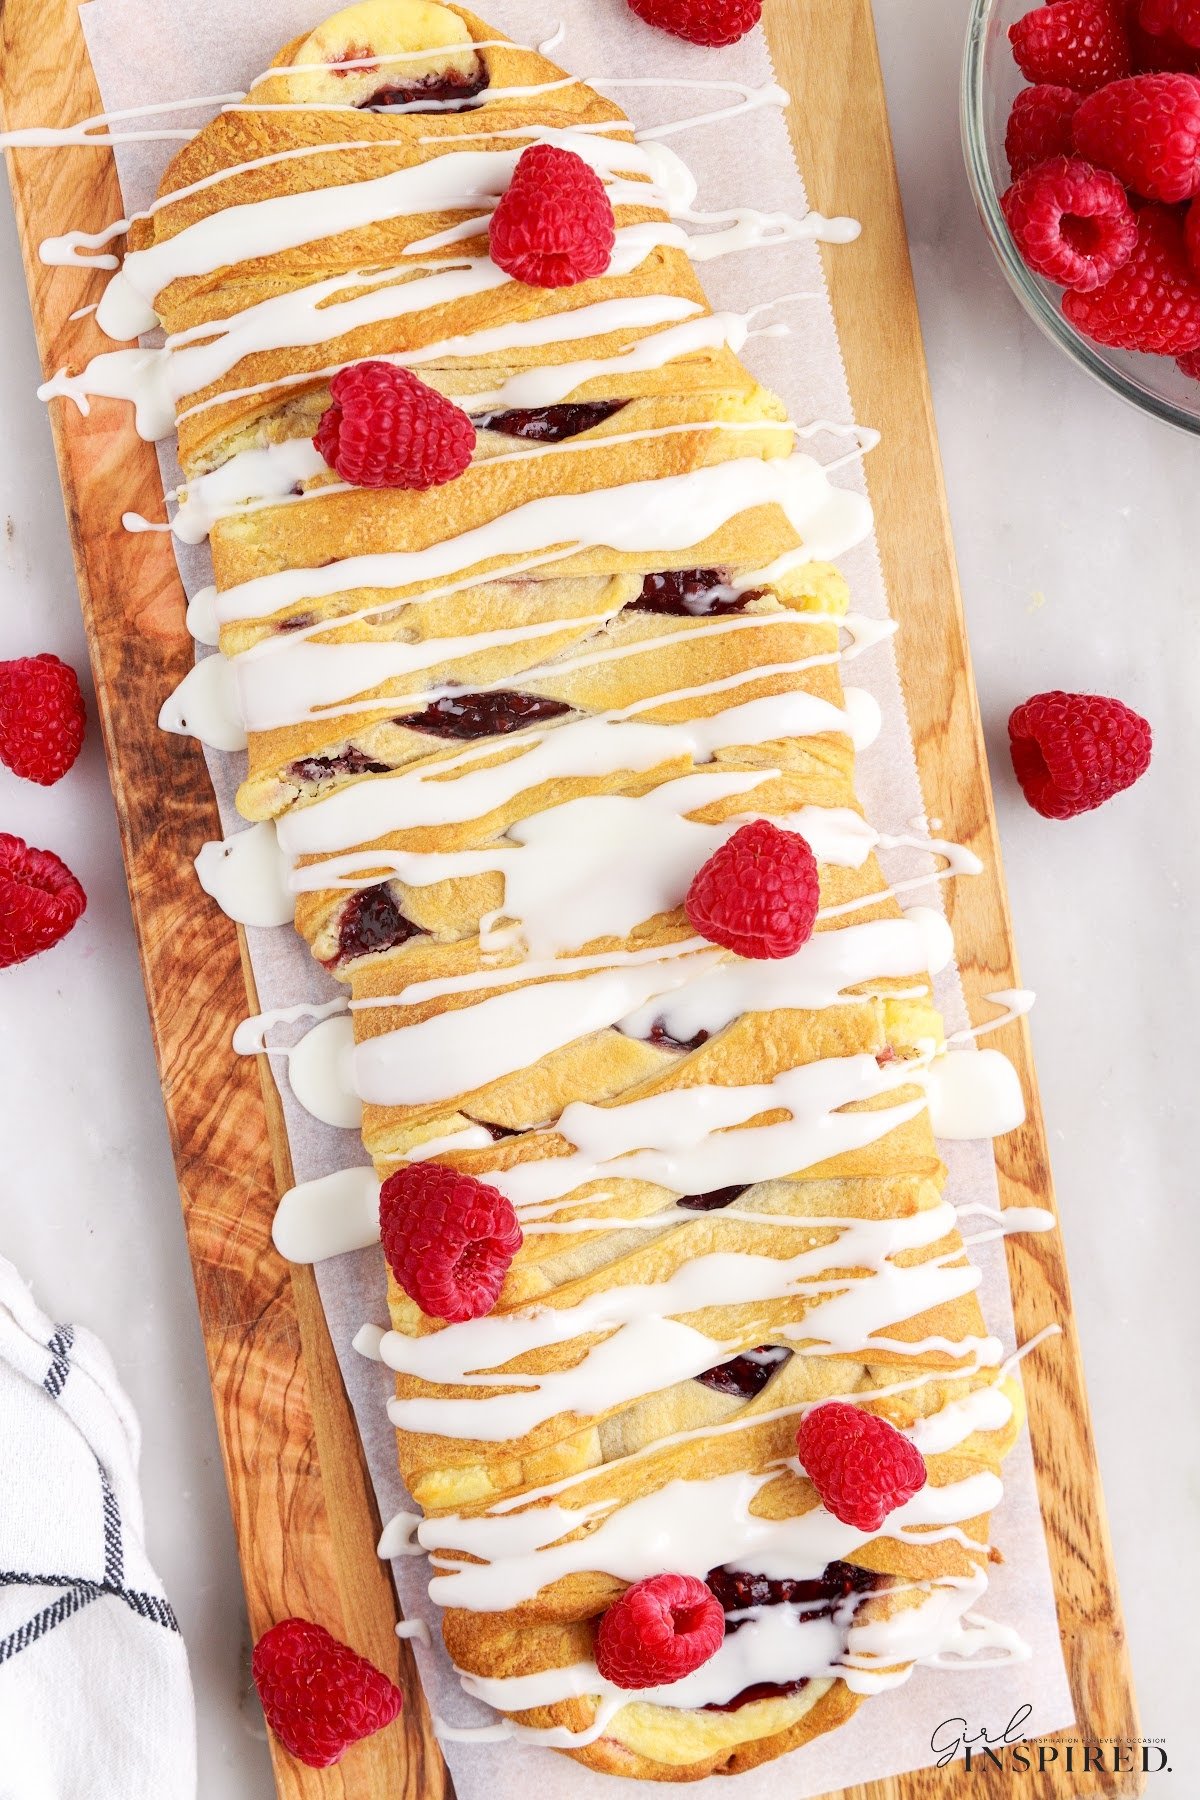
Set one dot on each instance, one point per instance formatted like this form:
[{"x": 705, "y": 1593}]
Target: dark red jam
[
  {"x": 429, "y": 89},
  {"x": 499, "y": 1131},
  {"x": 691, "y": 593},
  {"x": 490, "y": 714},
  {"x": 371, "y": 922},
  {"x": 712, "y": 1201},
  {"x": 661, "y": 1036},
  {"x": 298, "y": 622},
  {"x": 747, "y": 1375},
  {"x": 550, "y": 424},
  {"x": 351, "y": 761},
  {"x": 821, "y": 1599}
]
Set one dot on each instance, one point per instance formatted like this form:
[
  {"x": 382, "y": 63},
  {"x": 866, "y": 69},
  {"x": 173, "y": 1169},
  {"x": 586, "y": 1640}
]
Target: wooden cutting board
[{"x": 301, "y": 1498}]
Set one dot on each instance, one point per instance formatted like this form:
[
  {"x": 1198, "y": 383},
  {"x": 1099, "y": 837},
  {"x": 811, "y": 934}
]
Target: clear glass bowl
[{"x": 989, "y": 85}]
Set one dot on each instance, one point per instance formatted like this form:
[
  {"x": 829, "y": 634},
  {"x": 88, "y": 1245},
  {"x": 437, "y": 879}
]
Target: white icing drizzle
[
  {"x": 1015, "y": 1002},
  {"x": 599, "y": 744},
  {"x": 661, "y": 514},
  {"x": 247, "y": 875},
  {"x": 415, "y": 1628},
  {"x": 328, "y": 1217},
  {"x": 706, "y": 1524},
  {"x": 204, "y": 705}
]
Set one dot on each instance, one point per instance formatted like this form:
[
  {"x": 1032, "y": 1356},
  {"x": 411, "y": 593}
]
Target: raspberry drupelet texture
[
  {"x": 1147, "y": 131},
  {"x": 1071, "y": 222},
  {"x": 1191, "y": 237},
  {"x": 40, "y": 900},
  {"x": 1039, "y": 126},
  {"x": 710, "y": 22},
  {"x": 758, "y": 894},
  {"x": 1080, "y": 43},
  {"x": 862, "y": 1467},
  {"x": 318, "y": 1695},
  {"x": 554, "y": 227},
  {"x": 387, "y": 429},
  {"x": 1171, "y": 18},
  {"x": 1153, "y": 301},
  {"x": 1072, "y": 752},
  {"x": 448, "y": 1239},
  {"x": 659, "y": 1631},
  {"x": 42, "y": 718}
]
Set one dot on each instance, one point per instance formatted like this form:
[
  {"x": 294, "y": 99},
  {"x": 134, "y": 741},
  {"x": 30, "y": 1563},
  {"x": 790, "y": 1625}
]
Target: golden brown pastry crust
[{"x": 699, "y": 410}]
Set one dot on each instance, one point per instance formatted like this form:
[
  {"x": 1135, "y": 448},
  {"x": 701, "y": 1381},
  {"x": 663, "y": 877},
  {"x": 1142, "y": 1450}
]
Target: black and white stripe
[{"x": 79, "y": 1591}]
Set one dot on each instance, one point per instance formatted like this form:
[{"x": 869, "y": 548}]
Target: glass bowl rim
[{"x": 1036, "y": 301}]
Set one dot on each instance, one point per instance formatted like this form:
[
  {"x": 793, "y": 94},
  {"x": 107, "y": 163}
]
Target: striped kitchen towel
[{"x": 95, "y": 1697}]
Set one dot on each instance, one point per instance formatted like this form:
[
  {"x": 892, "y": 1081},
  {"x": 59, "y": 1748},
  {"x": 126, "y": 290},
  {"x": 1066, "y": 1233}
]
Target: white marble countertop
[{"x": 1075, "y": 524}]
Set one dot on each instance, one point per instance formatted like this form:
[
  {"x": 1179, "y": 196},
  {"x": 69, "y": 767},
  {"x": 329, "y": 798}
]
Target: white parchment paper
[{"x": 144, "y": 52}]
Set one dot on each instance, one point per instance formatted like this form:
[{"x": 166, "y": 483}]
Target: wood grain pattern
[{"x": 302, "y": 1506}]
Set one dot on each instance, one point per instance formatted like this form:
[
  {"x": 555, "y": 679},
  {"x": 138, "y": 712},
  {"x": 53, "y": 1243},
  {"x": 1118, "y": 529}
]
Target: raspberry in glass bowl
[{"x": 1024, "y": 228}]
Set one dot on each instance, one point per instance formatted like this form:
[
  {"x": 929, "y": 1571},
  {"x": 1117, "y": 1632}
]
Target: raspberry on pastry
[
  {"x": 554, "y": 226},
  {"x": 387, "y": 429},
  {"x": 659, "y": 1631},
  {"x": 759, "y": 893},
  {"x": 860, "y": 1465},
  {"x": 448, "y": 1239}
]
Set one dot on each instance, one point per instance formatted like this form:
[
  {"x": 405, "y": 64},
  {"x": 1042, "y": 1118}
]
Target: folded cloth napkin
[{"x": 95, "y": 1697}]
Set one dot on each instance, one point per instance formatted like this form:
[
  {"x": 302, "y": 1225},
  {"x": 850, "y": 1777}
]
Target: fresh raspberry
[
  {"x": 40, "y": 900},
  {"x": 448, "y": 1239},
  {"x": 1072, "y": 752},
  {"x": 1150, "y": 53},
  {"x": 318, "y": 1695},
  {"x": 1153, "y": 301},
  {"x": 1147, "y": 131},
  {"x": 1191, "y": 237},
  {"x": 42, "y": 717},
  {"x": 659, "y": 1631},
  {"x": 758, "y": 894},
  {"x": 1190, "y": 364},
  {"x": 710, "y": 22},
  {"x": 862, "y": 1467},
  {"x": 1080, "y": 43},
  {"x": 1039, "y": 126},
  {"x": 387, "y": 429},
  {"x": 555, "y": 224},
  {"x": 1172, "y": 19},
  {"x": 1072, "y": 223}
]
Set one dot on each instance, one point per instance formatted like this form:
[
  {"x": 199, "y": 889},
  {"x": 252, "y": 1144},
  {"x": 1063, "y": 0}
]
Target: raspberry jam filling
[
  {"x": 371, "y": 922},
  {"x": 352, "y": 761},
  {"x": 489, "y": 714},
  {"x": 450, "y": 87},
  {"x": 746, "y": 1376},
  {"x": 692, "y": 593},
  {"x": 712, "y": 1201},
  {"x": 661, "y": 1036},
  {"x": 820, "y": 1599},
  {"x": 549, "y": 424}
]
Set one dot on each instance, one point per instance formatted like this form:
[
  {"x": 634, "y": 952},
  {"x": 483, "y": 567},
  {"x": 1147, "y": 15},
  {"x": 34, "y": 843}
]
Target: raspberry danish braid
[{"x": 501, "y": 724}]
